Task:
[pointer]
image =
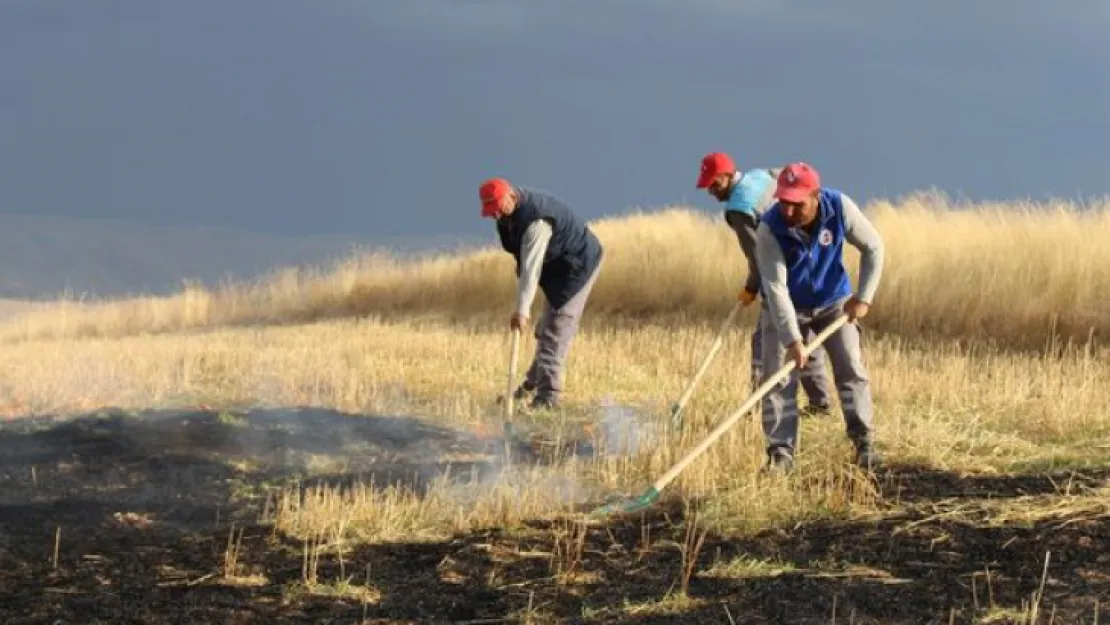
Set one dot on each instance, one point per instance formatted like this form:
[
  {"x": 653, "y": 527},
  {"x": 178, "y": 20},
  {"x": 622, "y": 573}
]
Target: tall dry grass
[
  {"x": 1008, "y": 273},
  {"x": 948, "y": 407},
  {"x": 1012, "y": 273}
]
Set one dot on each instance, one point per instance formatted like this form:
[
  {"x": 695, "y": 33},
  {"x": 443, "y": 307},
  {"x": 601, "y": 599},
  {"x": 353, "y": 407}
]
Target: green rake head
[{"x": 629, "y": 504}]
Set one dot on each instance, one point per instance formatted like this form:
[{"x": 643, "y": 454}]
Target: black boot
[
  {"x": 866, "y": 456},
  {"x": 779, "y": 460},
  {"x": 523, "y": 391},
  {"x": 815, "y": 410},
  {"x": 544, "y": 402},
  {"x": 520, "y": 394}
]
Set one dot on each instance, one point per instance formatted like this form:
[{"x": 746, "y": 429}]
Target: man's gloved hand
[{"x": 746, "y": 297}]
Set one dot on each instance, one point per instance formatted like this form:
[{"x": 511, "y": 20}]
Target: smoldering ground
[
  {"x": 72, "y": 551},
  {"x": 270, "y": 439},
  {"x": 183, "y": 465},
  {"x": 131, "y": 511}
]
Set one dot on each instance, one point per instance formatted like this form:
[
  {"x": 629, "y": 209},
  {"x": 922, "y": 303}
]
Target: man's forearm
[
  {"x": 747, "y": 243},
  {"x": 772, "y": 269},
  {"x": 532, "y": 251},
  {"x": 744, "y": 226},
  {"x": 859, "y": 231}
]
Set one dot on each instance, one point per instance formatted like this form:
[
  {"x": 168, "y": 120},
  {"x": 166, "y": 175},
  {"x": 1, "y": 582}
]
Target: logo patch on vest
[{"x": 825, "y": 238}]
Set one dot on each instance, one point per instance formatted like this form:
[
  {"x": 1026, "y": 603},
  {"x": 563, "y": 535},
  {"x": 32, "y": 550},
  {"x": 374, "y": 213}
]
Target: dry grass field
[{"x": 326, "y": 448}]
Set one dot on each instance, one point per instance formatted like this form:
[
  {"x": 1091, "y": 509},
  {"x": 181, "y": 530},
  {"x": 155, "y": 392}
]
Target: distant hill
[{"x": 42, "y": 257}]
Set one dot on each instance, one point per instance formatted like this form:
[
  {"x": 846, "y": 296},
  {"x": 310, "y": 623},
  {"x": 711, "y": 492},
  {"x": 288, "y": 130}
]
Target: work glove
[{"x": 746, "y": 297}]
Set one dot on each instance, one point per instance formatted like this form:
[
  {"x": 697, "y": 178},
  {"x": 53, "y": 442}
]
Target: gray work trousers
[
  {"x": 814, "y": 377},
  {"x": 853, "y": 386},
  {"x": 554, "y": 334}
]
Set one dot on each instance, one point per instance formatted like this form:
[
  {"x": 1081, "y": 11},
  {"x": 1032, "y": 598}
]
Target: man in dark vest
[
  {"x": 747, "y": 196},
  {"x": 800, "y": 247},
  {"x": 554, "y": 250}
]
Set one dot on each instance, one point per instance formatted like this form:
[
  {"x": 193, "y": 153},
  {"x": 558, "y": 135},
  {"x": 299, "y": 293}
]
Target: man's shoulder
[
  {"x": 833, "y": 193},
  {"x": 532, "y": 191},
  {"x": 837, "y": 200},
  {"x": 766, "y": 239},
  {"x": 764, "y": 173},
  {"x": 541, "y": 198},
  {"x": 527, "y": 194},
  {"x": 750, "y": 191}
]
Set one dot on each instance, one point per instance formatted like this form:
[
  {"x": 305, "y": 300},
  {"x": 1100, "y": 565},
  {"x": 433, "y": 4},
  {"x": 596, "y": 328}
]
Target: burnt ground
[{"x": 141, "y": 509}]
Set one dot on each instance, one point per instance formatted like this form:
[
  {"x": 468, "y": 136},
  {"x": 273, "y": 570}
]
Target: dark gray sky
[{"x": 372, "y": 116}]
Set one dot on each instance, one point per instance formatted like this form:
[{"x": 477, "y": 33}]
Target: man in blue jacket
[
  {"x": 799, "y": 248},
  {"x": 747, "y": 196},
  {"x": 555, "y": 251}
]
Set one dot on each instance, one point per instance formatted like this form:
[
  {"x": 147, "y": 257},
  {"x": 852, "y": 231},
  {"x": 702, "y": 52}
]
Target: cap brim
[
  {"x": 704, "y": 179},
  {"x": 793, "y": 194},
  {"x": 489, "y": 209}
]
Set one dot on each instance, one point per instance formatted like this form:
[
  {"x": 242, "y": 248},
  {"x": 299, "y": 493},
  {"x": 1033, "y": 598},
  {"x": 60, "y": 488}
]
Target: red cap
[
  {"x": 713, "y": 165},
  {"x": 490, "y": 193},
  {"x": 797, "y": 181}
]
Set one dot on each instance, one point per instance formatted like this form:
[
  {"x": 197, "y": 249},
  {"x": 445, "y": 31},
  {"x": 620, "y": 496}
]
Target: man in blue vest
[
  {"x": 746, "y": 196},
  {"x": 555, "y": 251},
  {"x": 799, "y": 248}
]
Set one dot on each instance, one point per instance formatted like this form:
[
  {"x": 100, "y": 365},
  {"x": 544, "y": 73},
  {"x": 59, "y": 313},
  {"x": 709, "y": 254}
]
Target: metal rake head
[{"x": 627, "y": 505}]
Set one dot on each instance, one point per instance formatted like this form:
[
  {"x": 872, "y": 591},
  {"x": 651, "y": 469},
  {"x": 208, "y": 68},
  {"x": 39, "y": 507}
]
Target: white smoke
[{"x": 624, "y": 432}]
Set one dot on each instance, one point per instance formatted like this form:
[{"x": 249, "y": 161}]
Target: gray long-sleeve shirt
[
  {"x": 532, "y": 250},
  {"x": 744, "y": 226},
  {"x": 858, "y": 232}
]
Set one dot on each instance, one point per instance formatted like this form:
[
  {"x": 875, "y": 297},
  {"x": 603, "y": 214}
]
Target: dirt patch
[
  {"x": 149, "y": 512},
  {"x": 912, "y": 483}
]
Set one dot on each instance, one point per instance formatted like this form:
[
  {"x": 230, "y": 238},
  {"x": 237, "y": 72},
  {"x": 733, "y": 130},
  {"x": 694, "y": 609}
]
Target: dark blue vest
[
  {"x": 816, "y": 275},
  {"x": 573, "y": 253}
]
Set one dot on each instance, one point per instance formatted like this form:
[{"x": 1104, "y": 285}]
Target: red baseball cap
[
  {"x": 713, "y": 165},
  {"x": 796, "y": 182},
  {"x": 490, "y": 192}
]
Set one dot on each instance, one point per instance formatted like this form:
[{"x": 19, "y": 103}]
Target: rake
[
  {"x": 678, "y": 406},
  {"x": 651, "y": 494},
  {"x": 507, "y": 423}
]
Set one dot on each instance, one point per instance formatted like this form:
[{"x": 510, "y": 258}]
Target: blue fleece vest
[
  {"x": 572, "y": 253},
  {"x": 747, "y": 195},
  {"x": 816, "y": 275}
]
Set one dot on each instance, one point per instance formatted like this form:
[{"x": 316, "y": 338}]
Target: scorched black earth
[{"x": 138, "y": 520}]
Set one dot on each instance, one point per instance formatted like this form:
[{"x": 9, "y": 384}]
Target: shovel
[
  {"x": 651, "y": 494},
  {"x": 676, "y": 408}
]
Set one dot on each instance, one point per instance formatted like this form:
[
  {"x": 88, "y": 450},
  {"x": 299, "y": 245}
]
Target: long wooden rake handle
[
  {"x": 756, "y": 396},
  {"x": 678, "y": 406},
  {"x": 507, "y": 424},
  {"x": 514, "y": 351}
]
